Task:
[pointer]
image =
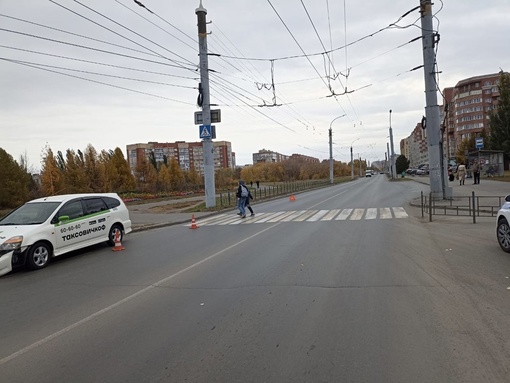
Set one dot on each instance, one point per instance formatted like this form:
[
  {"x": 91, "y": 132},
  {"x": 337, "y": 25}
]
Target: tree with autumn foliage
[
  {"x": 118, "y": 174},
  {"x": 16, "y": 185},
  {"x": 95, "y": 170},
  {"x": 52, "y": 179},
  {"x": 146, "y": 176}
]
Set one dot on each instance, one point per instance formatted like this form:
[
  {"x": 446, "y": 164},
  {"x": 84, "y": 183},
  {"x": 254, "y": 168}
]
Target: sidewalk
[{"x": 487, "y": 187}]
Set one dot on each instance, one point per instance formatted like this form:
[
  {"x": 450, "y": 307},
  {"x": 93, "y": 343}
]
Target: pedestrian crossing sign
[{"x": 207, "y": 131}]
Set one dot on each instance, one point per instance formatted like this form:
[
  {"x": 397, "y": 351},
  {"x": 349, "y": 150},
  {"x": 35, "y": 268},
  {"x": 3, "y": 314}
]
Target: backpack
[{"x": 244, "y": 191}]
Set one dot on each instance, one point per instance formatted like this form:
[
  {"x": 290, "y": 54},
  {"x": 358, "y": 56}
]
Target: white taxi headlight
[{"x": 13, "y": 243}]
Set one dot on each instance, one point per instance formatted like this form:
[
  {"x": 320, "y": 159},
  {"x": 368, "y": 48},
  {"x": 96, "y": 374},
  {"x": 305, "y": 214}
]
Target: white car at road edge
[{"x": 51, "y": 226}]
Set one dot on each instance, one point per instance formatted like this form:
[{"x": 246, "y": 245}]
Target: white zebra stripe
[
  {"x": 399, "y": 212},
  {"x": 318, "y": 216},
  {"x": 344, "y": 214},
  {"x": 371, "y": 213},
  {"x": 357, "y": 214},
  {"x": 306, "y": 215},
  {"x": 385, "y": 213}
]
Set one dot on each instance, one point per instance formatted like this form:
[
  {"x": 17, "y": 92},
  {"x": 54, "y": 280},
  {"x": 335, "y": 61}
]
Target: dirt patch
[{"x": 173, "y": 207}]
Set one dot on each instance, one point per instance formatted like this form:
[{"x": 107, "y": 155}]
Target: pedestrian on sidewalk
[
  {"x": 461, "y": 173},
  {"x": 476, "y": 173},
  {"x": 241, "y": 194}
]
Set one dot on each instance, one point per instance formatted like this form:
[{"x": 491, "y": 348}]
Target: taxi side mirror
[{"x": 63, "y": 218}]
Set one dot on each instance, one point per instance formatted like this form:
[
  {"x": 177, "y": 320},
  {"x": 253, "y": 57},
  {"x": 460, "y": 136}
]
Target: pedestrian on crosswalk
[
  {"x": 247, "y": 204},
  {"x": 242, "y": 195}
]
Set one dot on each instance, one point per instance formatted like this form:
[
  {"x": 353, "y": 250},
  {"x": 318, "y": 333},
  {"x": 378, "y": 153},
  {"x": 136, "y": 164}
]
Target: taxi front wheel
[
  {"x": 116, "y": 228},
  {"x": 38, "y": 256}
]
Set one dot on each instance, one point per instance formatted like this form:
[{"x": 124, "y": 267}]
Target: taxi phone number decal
[{"x": 70, "y": 228}]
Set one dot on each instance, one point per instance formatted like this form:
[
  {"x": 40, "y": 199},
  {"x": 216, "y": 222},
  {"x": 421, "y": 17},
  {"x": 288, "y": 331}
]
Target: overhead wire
[
  {"x": 77, "y": 34},
  {"x": 97, "y": 82},
  {"x": 94, "y": 49},
  {"x": 98, "y": 63},
  {"x": 302, "y": 50},
  {"x": 330, "y": 61},
  {"x": 97, "y": 74},
  {"x": 122, "y": 36}
]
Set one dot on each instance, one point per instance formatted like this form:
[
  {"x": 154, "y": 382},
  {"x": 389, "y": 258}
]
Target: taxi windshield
[{"x": 33, "y": 213}]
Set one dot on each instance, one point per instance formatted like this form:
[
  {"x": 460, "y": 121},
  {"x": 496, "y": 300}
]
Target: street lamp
[
  {"x": 352, "y": 160},
  {"x": 331, "y": 149}
]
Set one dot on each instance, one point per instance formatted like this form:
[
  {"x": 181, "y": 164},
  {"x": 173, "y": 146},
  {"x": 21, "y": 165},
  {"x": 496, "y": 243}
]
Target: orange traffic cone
[
  {"x": 118, "y": 246},
  {"x": 193, "y": 223},
  {"x": 292, "y": 198}
]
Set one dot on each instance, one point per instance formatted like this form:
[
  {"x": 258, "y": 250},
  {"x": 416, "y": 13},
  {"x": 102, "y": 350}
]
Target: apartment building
[
  {"x": 304, "y": 158},
  {"x": 416, "y": 147},
  {"x": 268, "y": 156},
  {"x": 188, "y": 154},
  {"x": 467, "y": 107}
]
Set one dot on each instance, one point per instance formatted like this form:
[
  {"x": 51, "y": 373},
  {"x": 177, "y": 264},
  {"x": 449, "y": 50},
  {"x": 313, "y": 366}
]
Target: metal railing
[
  {"x": 465, "y": 206},
  {"x": 229, "y": 199}
]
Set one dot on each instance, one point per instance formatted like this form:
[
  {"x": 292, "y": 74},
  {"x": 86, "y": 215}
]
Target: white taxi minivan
[{"x": 51, "y": 226}]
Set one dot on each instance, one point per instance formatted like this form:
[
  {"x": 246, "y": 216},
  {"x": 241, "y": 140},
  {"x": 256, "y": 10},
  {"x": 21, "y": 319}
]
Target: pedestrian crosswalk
[{"x": 355, "y": 214}]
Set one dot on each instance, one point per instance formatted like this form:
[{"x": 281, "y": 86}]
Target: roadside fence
[
  {"x": 464, "y": 206},
  {"x": 229, "y": 199}
]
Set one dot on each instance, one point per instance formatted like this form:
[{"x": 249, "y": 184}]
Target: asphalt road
[{"x": 382, "y": 298}]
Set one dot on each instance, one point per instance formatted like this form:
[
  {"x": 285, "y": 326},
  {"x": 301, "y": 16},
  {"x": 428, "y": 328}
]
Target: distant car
[
  {"x": 503, "y": 226},
  {"x": 368, "y": 173},
  {"x": 48, "y": 227}
]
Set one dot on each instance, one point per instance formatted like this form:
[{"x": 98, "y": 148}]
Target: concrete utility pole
[
  {"x": 352, "y": 161},
  {"x": 331, "y": 149},
  {"x": 437, "y": 167},
  {"x": 352, "y": 166},
  {"x": 392, "y": 156},
  {"x": 389, "y": 159},
  {"x": 205, "y": 101},
  {"x": 330, "y": 155}
]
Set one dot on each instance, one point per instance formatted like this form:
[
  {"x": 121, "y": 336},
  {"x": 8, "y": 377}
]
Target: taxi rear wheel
[
  {"x": 116, "y": 228},
  {"x": 38, "y": 256}
]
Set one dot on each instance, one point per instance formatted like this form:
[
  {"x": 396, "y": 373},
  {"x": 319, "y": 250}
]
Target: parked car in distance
[
  {"x": 503, "y": 226},
  {"x": 368, "y": 173},
  {"x": 51, "y": 226}
]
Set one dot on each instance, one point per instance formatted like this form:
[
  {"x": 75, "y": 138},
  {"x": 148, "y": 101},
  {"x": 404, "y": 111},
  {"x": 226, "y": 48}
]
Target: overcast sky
[{"x": 109, "y": 73}]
